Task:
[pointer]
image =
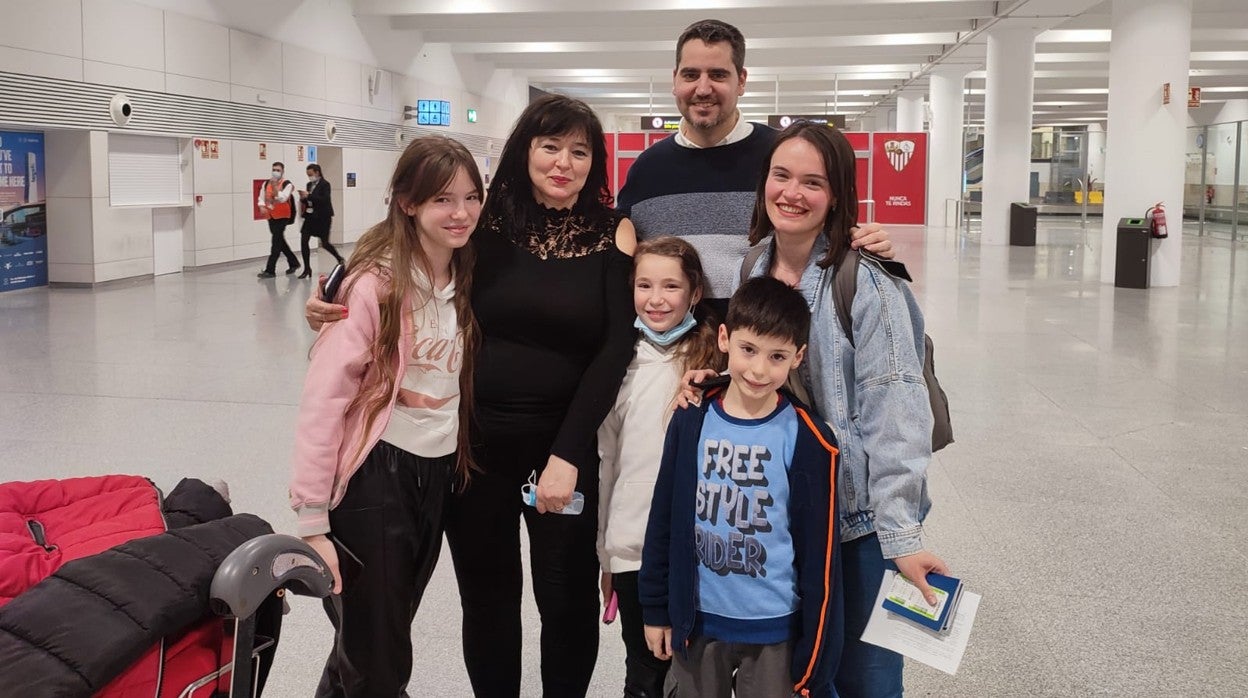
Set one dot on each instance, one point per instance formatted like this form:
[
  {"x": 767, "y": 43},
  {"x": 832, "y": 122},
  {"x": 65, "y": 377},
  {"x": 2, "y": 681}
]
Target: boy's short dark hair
[
  {"x": 713, "y": 31},
  {"x": 771, "y": 308},
  {"x": 279, "y": 164}
]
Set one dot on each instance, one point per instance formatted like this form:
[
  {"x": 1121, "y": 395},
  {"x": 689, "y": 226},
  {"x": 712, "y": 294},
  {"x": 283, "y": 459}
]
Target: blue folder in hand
[{"x": 905, "y": 600}]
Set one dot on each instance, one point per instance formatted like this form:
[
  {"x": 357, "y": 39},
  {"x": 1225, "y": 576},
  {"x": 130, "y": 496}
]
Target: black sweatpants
[
  {"x": 315, "y": 228},
  {"x": 484, "y": 535},
  {"x": 278, "y": 246},
  {"x": 391, "y": 518},
  {"x": 644, "y": 673}
]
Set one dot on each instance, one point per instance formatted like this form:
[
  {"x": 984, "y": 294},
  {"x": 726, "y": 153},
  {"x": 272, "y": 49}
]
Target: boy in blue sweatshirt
[{"x": 739, "y": 578}]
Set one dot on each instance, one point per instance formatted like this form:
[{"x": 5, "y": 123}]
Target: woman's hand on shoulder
[
  {"x": 874, "y": 239},
  {"x": 626, "y": 237},
  {"x": 317, "y": 312}
]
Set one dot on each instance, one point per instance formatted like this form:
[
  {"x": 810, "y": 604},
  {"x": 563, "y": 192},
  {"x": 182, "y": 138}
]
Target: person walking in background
[
  {"x": 277, "y": 203},
  {"x": 318, "y": 213}
]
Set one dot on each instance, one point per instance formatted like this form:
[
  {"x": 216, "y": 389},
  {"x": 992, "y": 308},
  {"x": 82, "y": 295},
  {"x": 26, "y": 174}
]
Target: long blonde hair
[{"x": 424, "y": 170}]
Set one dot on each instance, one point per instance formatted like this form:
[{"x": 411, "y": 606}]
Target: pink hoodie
[{"x": 327, "y": 437}]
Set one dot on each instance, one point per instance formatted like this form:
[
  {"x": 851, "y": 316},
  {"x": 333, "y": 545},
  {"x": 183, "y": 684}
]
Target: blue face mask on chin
[{"x": 669, "y": 337}]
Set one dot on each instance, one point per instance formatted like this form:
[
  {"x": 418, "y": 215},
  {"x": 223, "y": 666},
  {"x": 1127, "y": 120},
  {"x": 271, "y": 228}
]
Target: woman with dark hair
[
  {"x": 555, "y": 310},
  {"x": 318, "y": 212}
]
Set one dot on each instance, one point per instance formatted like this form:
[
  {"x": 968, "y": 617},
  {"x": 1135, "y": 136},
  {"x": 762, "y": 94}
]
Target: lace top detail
[{"x": 559, "y": 234}]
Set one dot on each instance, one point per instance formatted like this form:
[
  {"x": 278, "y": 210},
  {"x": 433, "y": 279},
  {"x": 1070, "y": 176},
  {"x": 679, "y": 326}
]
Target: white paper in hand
[{"x": 942, "y": 652}]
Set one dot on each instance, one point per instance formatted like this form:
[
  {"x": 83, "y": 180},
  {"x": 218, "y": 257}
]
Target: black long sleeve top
[
  {"x": 556, "y": 314},
  {"x": 319, "y": 201}
]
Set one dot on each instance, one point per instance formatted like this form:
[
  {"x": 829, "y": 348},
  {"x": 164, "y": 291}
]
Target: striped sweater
[{"x": 704, "y": 195}]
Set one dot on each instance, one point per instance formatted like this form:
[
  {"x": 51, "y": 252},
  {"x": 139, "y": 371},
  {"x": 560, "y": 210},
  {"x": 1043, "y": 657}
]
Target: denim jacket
[{"x": 874, "y": 397}]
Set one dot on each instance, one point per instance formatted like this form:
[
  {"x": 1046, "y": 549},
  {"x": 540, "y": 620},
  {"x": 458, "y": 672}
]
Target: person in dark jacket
[
  {"x": 318, "y": 213},
  {"x": 739, "y": 571}
]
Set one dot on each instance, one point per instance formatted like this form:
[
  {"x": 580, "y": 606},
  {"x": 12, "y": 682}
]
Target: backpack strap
[
  {"x": 751, "y": 258},
  {"x": 845, "y": 284}
]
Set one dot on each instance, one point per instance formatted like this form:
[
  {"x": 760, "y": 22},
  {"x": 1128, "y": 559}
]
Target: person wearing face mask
[
  {"x": 318, "y": 212},
  {"x": 276, "y": 202}
]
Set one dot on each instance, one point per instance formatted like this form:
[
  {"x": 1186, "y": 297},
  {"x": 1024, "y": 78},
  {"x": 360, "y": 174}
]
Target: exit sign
[{"x": 472, "y": 116}]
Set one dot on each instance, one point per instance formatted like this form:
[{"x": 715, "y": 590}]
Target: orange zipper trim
[{"x": 827, "y": 565}]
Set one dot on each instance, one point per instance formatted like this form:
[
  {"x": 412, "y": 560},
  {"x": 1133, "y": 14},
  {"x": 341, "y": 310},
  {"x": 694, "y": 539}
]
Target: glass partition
[{"x": 1215, "y": 194}]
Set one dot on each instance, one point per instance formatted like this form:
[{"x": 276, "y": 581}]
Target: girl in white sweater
[{"x": 668, "y": 282}]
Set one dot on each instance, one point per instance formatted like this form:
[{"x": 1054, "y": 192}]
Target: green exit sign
[{"x": 472, "y": 116}]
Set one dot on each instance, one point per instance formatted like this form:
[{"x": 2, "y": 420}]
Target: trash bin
[
  {"x": 1023, "y": 225},
  {"x": 1132, "y": 258}
]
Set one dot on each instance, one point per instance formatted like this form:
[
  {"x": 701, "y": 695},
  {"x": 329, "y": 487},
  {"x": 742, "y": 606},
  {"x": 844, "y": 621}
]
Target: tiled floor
[{"x": 1097, "y": 495}]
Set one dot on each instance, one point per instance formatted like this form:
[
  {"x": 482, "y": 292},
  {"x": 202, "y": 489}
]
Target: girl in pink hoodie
[{"x": 381, "y": 436}]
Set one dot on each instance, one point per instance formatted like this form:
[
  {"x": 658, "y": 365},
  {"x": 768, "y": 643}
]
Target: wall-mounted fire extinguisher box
[{"x": 1131, "y": 261}]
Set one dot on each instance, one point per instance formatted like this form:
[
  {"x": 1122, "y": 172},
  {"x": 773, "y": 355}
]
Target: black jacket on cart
[{"x": 77, "y": 630}]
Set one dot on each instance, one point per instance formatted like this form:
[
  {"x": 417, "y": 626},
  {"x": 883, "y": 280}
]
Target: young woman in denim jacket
[{"x": 871, "y": 390}]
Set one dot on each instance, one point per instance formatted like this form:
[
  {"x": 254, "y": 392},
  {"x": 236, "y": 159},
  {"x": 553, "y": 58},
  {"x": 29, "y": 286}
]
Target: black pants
[
  {"x": 278, "y": 246},
  {"x": 315, "y": 228},
  {"x": 392, "y": 518},
  {"x": 484, "y": 535},
  {"x": 644, "y": 673}
]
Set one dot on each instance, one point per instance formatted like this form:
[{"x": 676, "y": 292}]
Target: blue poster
[{"x": 23, "y": 212}]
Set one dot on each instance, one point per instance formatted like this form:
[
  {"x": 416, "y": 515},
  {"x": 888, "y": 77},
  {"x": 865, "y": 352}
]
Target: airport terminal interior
[{"x": 1096, "y": 494}]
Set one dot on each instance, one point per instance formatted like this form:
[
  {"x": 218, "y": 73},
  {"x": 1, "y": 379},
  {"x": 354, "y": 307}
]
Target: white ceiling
[{"x": 822, "y": 56}]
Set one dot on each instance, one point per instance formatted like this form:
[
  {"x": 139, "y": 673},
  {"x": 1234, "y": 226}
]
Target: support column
[
  {"x": 944, "y": 169},
  {"x": 1145, "y": 139},
  {"x": 910, "y": 111},
  {"x": 1007, "y": 126}
]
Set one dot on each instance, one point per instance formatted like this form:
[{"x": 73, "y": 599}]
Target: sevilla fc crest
[{"x": 899, "y": 153}]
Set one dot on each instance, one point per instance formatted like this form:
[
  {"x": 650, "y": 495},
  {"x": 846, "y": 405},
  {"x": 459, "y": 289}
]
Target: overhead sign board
[
  {"x": 660, "y": 123},
  {"x": 785, "y": 120}
]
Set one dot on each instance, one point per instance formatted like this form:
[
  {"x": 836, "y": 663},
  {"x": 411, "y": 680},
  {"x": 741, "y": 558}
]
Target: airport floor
[{"x": 1097, "y": 495}]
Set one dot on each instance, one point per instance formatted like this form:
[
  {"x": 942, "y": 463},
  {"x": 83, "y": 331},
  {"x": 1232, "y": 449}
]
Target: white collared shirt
[{"x": 738, "y": 133}]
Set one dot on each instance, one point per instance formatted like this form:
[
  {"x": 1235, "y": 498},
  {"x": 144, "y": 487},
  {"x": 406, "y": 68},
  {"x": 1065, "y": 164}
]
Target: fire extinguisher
[{"x": 1157, "y": 221}]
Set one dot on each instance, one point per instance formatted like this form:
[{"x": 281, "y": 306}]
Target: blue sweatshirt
[
  {"x": 747, "y": 581},
  {"x": 668, "y": 581}
]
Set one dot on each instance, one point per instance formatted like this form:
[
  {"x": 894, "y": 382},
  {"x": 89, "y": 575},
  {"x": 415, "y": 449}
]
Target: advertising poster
[
  {"x": 23, "y": 212},
  {"x": 899, "y": 177}
]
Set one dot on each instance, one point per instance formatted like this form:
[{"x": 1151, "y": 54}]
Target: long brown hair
[
  {"x": 838, "y": 161},
  {"x": 424, "y": 170},
  {"x": 700, "y": 347}
]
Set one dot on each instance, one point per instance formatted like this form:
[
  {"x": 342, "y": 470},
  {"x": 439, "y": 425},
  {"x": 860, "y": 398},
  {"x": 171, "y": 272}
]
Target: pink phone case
[{"x": 608, "y": 614}]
